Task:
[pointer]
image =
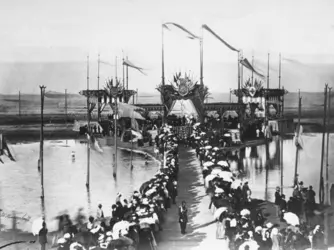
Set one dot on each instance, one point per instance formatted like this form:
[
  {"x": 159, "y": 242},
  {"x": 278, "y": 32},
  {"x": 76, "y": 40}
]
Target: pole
[
  {"x": 163, "y": 73},
  {"x": 252, "y": 70},
  {"x": 201, "y": 56},
  {"x": 41, "y": 157},
  {"x": 98, "y": 88},
  {"x": 239, "y": 72},
  {"x": 123, "y": 70},
  {"x": 116, "y": 69},
  {"x": 88, "y": 127},
  {"x": 137, "y": 97},
  {"x": 297, "y": 134},
  {"x": 115, "y": 137},
  {"x": 327, "y": 149},
  {"x": 19, "y": 103},
  {"x": 66, "y": 106},
  {"x": 127, "y": 75},
  {"x": 131, "y": 166},
  {"x": 279, "y": 71},
  {"x": 327, "y": 198},
  {"x": 323, "y": 149}
]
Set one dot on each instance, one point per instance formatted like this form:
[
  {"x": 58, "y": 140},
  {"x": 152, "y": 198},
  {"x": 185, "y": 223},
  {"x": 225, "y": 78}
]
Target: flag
[
  {"x": 105, "y": 62},
  {"x": 134, "y": 124},
  {"x": 246, "y": 64},
  {"x": 126, "y": 62},
  {"x": 298, "y": 137},
  {"x": 204, "y": 26},
  {"x": 190, "y": 35}
]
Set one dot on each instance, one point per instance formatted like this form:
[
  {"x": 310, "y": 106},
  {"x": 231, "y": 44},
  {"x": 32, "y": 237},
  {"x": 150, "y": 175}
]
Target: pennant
[
  {"x": 126, "y": 62},
  {"x": 246, "y": 64},
  {"x": 190, "y": 35},
  {"x": 134, "y": 124},
  {"x": 298, "y": 137},
  {"x": 204, "y": 26},
  {"x": 105, "y": 62}
]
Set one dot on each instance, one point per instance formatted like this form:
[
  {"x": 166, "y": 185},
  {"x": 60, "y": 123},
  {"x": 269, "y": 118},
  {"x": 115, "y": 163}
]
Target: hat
[
  {"x": 101, "y": 238},
  {"x": 61, "y": 241},
  {"x": 109, "y": 233},
  {"x": 67, "y": 236}
]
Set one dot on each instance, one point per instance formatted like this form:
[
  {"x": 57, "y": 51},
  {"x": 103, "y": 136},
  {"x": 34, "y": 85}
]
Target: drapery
[{"x": 191, "y": 35}]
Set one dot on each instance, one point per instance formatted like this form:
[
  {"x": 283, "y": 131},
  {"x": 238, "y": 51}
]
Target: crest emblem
[
  {"x": 252, "y": 91},
  {"x": 183, "y": 88}
]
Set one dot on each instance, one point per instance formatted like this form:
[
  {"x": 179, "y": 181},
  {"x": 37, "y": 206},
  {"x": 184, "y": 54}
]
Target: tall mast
[
  {"x": 88, "y": 127},
  {"x": 66, "y": 106},
  {"x": 19, "y": 103},
  {"x": 123, "y": 70},
  {"x": 239, "y": 65},
  {"x": 98, "y": 87},
  {"x": 163, "y": 73},
  {"x": 268, "y": 72},
  {"x": 127, "y": 75},
  {"x": 41, "y": 157},
  {"x": 297, "y": 134},
  {"x": 201, "y": 56},
  {"x": 321, "y": 193},
  {"x": 252, "y": 70},
  {"x": 279, "y": 72},
  {"x": 116, "y": 69}
]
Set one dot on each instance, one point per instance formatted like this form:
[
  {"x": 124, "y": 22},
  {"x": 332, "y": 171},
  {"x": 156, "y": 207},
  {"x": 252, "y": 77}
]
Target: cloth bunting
[
  {"x": 204, "y": 26},
  {"x": 131, "y": 65},
  {"x": 249, "y": 66},
  {"x": 191, "y": 35}
]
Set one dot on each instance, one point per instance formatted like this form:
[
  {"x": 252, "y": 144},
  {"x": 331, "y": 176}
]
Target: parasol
[
  {"x": 144, "y": 187},
  {"x": 223, "y": 163},
  {"x": 249, "y": 244},
  {"x": 208, "y": 164},
  {"x": 227, "y": 176},
  {"x": 122, "y": 225},
  {"x": 291, "y": 218},
  {"x": 236, "y": 184},
  {"x": 37, "y": 225},
  {"x": 208, "y": 178},
  {"x": 245, "y": 212},
  {"x": 219, "y": 211}
]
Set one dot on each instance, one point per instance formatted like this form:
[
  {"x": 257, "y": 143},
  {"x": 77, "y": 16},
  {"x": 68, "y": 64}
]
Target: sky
[{"x": 47, "y": 42}]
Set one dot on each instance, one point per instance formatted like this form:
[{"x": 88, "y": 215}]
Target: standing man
[
  {"x": 183, "y": 217},
  {"x": 99, "y": 214},
  {"x": 42, "y": 236}
]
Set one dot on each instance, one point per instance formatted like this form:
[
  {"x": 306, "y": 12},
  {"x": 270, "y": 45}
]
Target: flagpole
[
  {"x": 297, "y": 135},
  {"x": 253, "y": 70},
  {"x": 201, "y": 56},
  {"x": 279, "y": 72},
  {"x": 88, "y": 127},
  {"x": 323, "y": 149},
  {"x": 239, "y": 72},
  {"x": 163, "y": 72},
  {"x": 98, "y": 87},
  {"x": 41, "y": 157},
  {"x": 123, "y": 70},
  {"x": 131, "y": 166},
  {"x": 127, "y": 75},
  {"x": 116, "y": 69}
]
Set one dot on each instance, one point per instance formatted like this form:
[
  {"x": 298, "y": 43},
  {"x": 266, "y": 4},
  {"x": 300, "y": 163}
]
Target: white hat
[
  {"x": 145, "y": 201},
  {"x": 269, "y": 225},
  {"x": 109, "y": 233},
  {"x": 101, "y": 238},
  {"x": 61, "y": 241}
]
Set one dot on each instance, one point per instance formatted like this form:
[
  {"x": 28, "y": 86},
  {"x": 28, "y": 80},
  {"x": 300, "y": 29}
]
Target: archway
[{"x": 184, "y": 88}]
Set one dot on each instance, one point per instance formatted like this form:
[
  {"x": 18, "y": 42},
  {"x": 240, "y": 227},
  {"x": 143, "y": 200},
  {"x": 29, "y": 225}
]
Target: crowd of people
[
  {"x": 132, "y": 220},
  {"x": 240, "y": 222}
]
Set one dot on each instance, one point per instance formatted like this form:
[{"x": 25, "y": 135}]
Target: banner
[
  {"x": 249, "y": 66},
  {"x": 126, "y": 62},
  {"x": 204, "y": 26},
  {"x": 191, "y": 35}
]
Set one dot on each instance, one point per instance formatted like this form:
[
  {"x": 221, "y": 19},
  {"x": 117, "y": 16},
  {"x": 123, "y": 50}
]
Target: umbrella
[
  {"x": 230, "y": 113},
  {"x": 225, "y": 175},
  {"x": 291, "y": 218},
  {"x": 150, "y": 191},
  {"x": 144, "y": 187},
  {"x": 197, "y": 137},
  {"x": 223, "y": 163},
  {"x": 236, "y": 184},
  {"x": 216, "y": 171},
  {"x": 219, "y": 190},
  {"x": 121, "y": 226},
  {"x": 37, "y": 226},
  {"x": 252, "y": 245},
  {"x": 208, "y": 164},
  {"x": 244, "y": 212},
  {"x": 210, "y": 177},
  {"x": 208, "y": 147},
  {"x": 219, "y": 211}
]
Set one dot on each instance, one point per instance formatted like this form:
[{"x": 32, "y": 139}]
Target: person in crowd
[
  {"x": 277, "y": 196},
  {"x": 42, "y": 236},
  {"x": 282, "y": 206},
  {"x": 99, "y": 214},
  {"x": 183, "y": 217}
]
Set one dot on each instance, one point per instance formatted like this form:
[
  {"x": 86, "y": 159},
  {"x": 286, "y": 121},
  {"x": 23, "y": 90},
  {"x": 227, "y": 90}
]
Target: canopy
[
  {"x": 128, "y": 110},
  {"x": 230, "y": 113}
]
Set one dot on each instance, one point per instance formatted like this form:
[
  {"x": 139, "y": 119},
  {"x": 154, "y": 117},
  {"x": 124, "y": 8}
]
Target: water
[
  {"x": 64, "y": 181},
  {"x": 253, "y": 161}
]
